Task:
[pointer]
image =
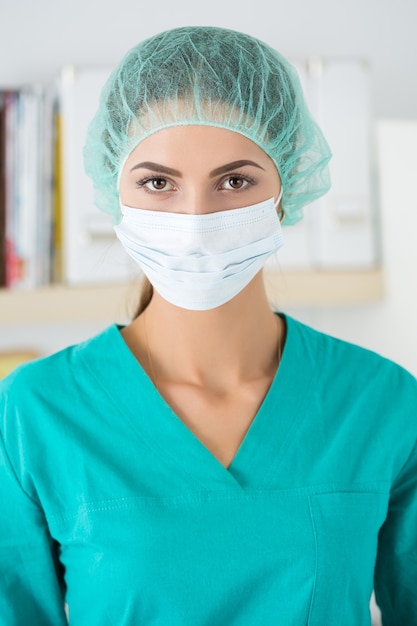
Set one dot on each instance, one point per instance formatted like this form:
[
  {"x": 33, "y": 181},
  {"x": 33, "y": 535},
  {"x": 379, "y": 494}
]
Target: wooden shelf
[
  {"x": 324, "y": 288},
  {"x": 117, "y": 302}
]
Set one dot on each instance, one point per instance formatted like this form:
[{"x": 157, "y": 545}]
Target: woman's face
[{"x": 197, "y": 169}]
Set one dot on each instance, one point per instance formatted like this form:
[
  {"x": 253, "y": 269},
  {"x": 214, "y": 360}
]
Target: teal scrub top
[{"x": 110, "y": 504}]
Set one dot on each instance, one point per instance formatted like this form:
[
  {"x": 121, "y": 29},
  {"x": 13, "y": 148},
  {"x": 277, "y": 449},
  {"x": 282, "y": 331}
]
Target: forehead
[{"x": 196, "y": 144}]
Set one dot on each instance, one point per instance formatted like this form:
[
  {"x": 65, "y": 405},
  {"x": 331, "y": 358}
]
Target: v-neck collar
[{"x": 265, "y": 443}]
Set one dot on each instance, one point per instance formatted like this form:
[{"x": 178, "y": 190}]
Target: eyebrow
[
  {"x": 231, "y": 166},
  {"x": 163, "y": 169}
]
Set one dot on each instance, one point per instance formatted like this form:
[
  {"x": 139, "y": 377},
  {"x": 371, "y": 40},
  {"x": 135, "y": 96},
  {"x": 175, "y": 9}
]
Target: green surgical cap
[{"x": 215, "y": 77}]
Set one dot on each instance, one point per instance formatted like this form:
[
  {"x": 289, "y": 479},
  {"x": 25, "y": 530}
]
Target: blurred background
[
  {"x": 369, "y": 299},
  {"x": 373, "y": 303}
]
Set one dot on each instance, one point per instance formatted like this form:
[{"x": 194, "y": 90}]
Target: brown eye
[
  {"x": 235, "y": 182},
  {"x": 156, "y": 183},
  {"x": 159, "y": 183}
]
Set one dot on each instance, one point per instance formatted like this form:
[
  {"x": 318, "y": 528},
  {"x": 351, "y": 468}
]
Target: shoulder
[
  {"x": 340, "y": 356},
  {"x": 348, "y": 375},
  {"x": 41, "y": 401},
  {"x": 65, "y": 358},
  {"x": 56, "y": 375},
  {"x": 368, "y": 398}
]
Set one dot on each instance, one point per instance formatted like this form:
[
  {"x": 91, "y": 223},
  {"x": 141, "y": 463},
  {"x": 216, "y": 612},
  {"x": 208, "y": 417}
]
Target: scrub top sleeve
[
  {"x": 30, "y": 587},
  {"x": 396, "y": 566}
]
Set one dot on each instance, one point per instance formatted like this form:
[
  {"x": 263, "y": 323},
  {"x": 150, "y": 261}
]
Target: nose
[{"x": 199, "y": 202}]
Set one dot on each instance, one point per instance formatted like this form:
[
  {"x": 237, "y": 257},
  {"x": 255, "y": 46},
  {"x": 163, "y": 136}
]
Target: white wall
[{"x": 37, "y": 38}]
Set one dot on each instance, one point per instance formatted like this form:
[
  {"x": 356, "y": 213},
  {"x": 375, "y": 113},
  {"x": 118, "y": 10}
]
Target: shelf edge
[{"x": 117, "y": 302}]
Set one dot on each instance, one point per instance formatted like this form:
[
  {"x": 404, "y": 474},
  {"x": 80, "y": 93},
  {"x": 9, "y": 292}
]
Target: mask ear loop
[{"x": 281, "y": 212}]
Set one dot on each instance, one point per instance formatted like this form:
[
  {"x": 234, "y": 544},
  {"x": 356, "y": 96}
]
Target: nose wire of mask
[{"x": 199, "y": 262}]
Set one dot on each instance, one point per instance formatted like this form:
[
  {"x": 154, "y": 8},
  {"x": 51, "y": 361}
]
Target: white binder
[
  {"x": 91, "y": 251},
  {"x": 340, "y": 230}
]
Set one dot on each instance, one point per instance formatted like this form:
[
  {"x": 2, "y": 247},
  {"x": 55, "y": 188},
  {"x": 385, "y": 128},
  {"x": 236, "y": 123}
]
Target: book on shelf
[
  {"x": 25, "y": 187},
  {"x": 2, "y": 192}
]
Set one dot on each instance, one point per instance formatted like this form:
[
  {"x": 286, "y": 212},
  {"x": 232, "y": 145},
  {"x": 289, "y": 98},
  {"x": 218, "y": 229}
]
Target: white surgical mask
[{"x": 199, "y": 262}]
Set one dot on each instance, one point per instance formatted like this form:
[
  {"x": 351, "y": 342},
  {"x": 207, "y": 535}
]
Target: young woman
[{"x": 213, "y": 463}]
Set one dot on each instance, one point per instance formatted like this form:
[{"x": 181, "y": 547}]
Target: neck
[{"x": 221, "y": 347}]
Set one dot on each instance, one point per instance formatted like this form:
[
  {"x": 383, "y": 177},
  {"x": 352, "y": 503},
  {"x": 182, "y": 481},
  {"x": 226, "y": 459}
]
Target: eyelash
[
  {"x": 141, "y": 184},
  {"x": 143, "y": 181},
  {"x": 248, "y": 179}
]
